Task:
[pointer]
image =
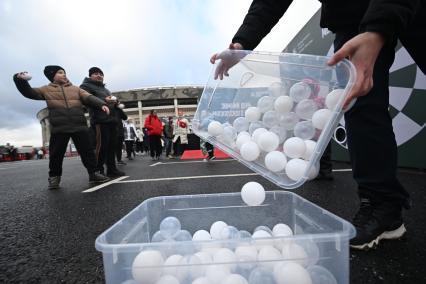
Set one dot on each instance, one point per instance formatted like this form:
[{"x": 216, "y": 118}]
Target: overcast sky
[{"x": 136, "y": 43}]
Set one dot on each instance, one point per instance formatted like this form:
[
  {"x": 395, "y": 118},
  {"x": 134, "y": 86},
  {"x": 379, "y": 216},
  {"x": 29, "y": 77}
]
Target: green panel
[{"x": 415, "y": 107}]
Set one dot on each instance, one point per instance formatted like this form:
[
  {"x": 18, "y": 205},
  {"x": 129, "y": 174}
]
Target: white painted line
[
  {"x": 8, "y": 168},
  {"x": 92, "y": 189},
  {"x": 189, "y": 177},
  {"x": 342, "y": 170},
  {"x": 190, "y": 162}
]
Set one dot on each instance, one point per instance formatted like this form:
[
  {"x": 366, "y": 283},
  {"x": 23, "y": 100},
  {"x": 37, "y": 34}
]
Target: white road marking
[
  {"x": 8, "y": 168},
  {"x": 190, "y": 162},
  {"x": 188, "y": 177},
  {"x": 92, "y": 189}
]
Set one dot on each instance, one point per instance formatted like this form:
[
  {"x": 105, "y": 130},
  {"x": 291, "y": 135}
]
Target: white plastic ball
[
  {"x": 310, "y": 147},
  {"x": 170, "y": 265},
  {"x": 246, "y": 253},
  {"x": 225, "y": 255},
  {"x": 282, "y": 230},
  {"x": 288, "y": 120},
  {"x": 205, "y": 258},
  {"x": 304, "y": 130},
  {"x": 189, "y": 265},
  {"x": 321, "y": 117},
  {"x": 147, "y": 266},
  {"x": 295, "y": 169},
  {"x": 201, "y": 235},
  {"x": 333, "y": 98},
  {"x": 217, "y": 273},
  {"x": 321, "y": 275},
  {"x": 265, "y": 104},
  {"x": 201, "y": 280},
  {"x": 262, "y": 275},
  {"x": 158, "y": 237},
  {"x": 182, "y": 236},
  {"x": 275, "y": 161},
  {"x": 300, "y": 91},
  {"x": 291, "y": 273},
  {"x": 26, "y": 76},
  {"x": 262, "y": 238},
  {"x": 215, "y": 128},
  {"x": 229, "y": 133},
  {"x": 305, "y": 109},
  {"x": 170, "y": 226},
  {"x": 253, "y": 193},
  {"x": 241, "y": 139},
  {"x": 280, "y": 131},
  {"x": 216, "y": 228},
  {"x": 252, "y": 114},
  {"x": 234, "y": 279},
  {"x": 270, "y": 118},
  {"x": 294, "y": 147},
  {"x": 268, "y": 256},
  {"x": 296, "y": 253},
  {"x": 257, "y": 133},
  {"x": 167, "y": 279},
  {"x": 268, "y": 141},
  {"x": 255, "y": 125},
  {"x": 229, "y": 232},
  {"x": 277, "y": 89},
  {"x": 241, "y": 124},
  {"x": 283, "y": 104},
  {"x": 263, "y": 228},
  {"x": 250, "y": 151}
]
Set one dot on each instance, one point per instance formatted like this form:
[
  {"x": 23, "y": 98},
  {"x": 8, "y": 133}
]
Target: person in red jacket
[{"x": 155, "y": 130}]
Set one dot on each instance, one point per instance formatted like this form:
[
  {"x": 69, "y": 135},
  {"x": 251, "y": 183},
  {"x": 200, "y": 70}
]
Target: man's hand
[
  {"x": 362, "y": 51},
  {"x": 227, "y": 60},
  {"x": 105, "y": 109},
  {"x": 24, "y": 76}
]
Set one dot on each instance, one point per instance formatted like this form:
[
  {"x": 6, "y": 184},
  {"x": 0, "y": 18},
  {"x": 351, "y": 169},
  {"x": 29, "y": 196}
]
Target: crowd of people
[{"x": 101, "y": 144}]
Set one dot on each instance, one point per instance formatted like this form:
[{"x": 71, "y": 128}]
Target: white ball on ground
[
  {"x": 252, "y": 114},
  {"x": 294, "y": 147},
  {"x": 215, "y": 128},
  {"x": 295, "y": 169},
  {"x": 268, "y": 141},
  {"x": 147, "y": 266},
  {"x": 250, "y": 151},
  {"x": 253, "y": 193},
  {"x": 321, "y": 117},
  {"x": 283, "y": 104},
  {"x": 275, "y": 161},
  {"x": 333, "y": 98}
]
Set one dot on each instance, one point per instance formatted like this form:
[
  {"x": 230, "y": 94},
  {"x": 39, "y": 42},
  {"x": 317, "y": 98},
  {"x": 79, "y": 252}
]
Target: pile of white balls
[
  {"x": 223, "y": 254},
  {"x": 281, "y": 132}
]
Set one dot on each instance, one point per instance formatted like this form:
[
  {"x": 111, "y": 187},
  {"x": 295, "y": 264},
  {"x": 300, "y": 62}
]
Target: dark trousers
[
  {"x": 371, "y": 141},
  {"x": 168, "y": 145},
  {"x": 129, "y": 147},
  {"x": 119, "y": 148},
  {"x": 326, "y": 166},
  {"x": 210, "y": 149},
  {"x": 178, "y": 147},
  {"x": 155, "y": 145},
  {"x": 58, "y": 146},
  {"x": 106, "y": 140}
]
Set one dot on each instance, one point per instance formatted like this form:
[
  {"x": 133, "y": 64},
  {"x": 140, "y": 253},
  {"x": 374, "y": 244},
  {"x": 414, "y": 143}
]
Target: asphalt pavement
[{"x": 49, "y": 236}]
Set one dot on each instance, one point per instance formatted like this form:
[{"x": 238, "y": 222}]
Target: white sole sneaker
[{"x": 387, "y": 235}]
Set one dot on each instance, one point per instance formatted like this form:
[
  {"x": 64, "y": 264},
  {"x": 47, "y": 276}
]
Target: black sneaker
[
  {"x": 97, "y": 178},
  {"x": 212, "y": 158},
  {"x": 115, "y": 173},
  {"x": 376, "y": 222},
  {"x": 54, "y": 182}
]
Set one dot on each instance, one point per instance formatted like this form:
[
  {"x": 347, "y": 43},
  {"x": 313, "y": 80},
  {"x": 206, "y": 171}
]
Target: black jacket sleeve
[
  {"x": 261, "y": 17},
  {"x": 122, "y": 114},
  {"x": 389, "y": 17},
  {"x": 25, "y": 89}
]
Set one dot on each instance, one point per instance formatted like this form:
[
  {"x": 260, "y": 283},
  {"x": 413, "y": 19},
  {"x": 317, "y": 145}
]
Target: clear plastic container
[
  {"x": 319, "y": 246},
  {"x": 289, "y": 95}
]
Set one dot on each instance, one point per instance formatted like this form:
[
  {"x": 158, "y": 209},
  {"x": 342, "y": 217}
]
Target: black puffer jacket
[
  {"x": 388, "y": 17},
  {"x": 98, "y": 90}
]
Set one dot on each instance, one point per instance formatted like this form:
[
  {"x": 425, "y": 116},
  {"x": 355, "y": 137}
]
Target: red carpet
[{"x": 197, "y": 154}]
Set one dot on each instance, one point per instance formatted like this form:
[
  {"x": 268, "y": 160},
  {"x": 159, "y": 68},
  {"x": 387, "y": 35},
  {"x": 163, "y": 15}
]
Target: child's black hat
[{"x": 50, "y": 71}]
